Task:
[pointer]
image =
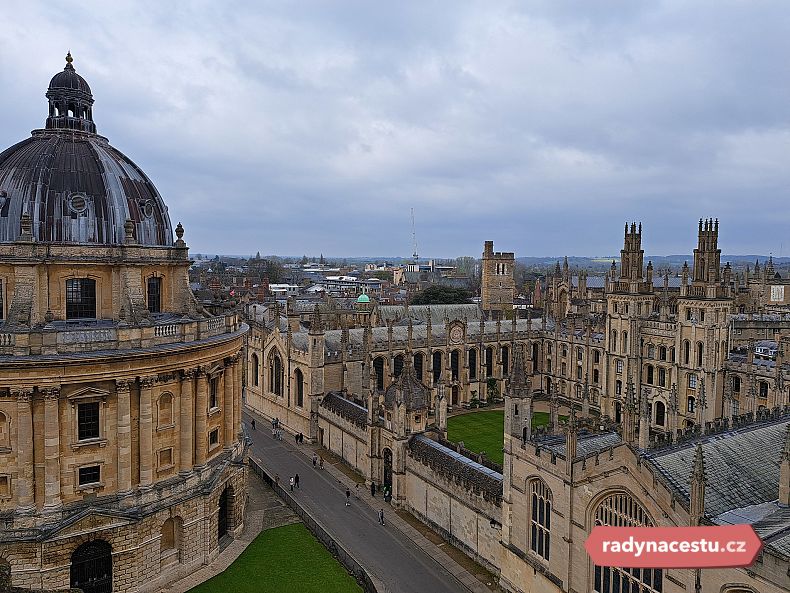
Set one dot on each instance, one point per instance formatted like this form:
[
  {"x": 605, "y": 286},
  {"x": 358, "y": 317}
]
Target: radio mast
[{"x": 414, "y": 238}]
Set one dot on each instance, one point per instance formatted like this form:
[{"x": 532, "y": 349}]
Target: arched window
[
  {"x": 5, "y": 432},
  {"x": 579, "y": 353},
  {"x": 686, "y": 351},
  {"x": 548, "y": 349},
  {"x": 276, "y": 375},
  {"x": 691, "y": 405},
  {"x": 662, "y": 377},
  {"x": 454, "y": 365},
  {"x": 81, "y": 298},
  {"x": 736, "y": 384},
  {"x": 299, "y": 387},
  {"x": 418, "y": 363},
  {"x": 649, "y": 374},
  {"x": 651, "y": 351},
  {"x": 620, "y": 510},
  {"x": 165, "y": 410},
  {"x": 624, "y": 345},
  {"x": 660, "y": 413},
  {"x": 596, "y": 356},
  {"x": 397, "y": 367},
  {"x": 763, "y": 389},
  {"x": 535, "y": 355},
  {"x": 613, "y": 341},
  {"x": 672, "y": 354},
  {"x": 473, "y": 364},
  {"x": 255, "y": 370},
  {"x": 700, "y": 349},
  {"x": 378, "y": 368},
  {"x": 489, "y": 362},
  {"x": 170, "y": 541},
  {"x": 540, "y": 518},
  {"x": 662, "y": 352},
  {"x": 618, "y": 387},
  {"x": 437, "y": 366},
  {"x": 505, "y": 353},
  {"x": 596, "y": 376}
]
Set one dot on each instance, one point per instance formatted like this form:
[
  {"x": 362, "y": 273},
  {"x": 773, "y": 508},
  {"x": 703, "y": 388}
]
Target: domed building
[{"x": 121, "y": 458}]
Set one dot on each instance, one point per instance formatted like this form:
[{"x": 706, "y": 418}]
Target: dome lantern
[{"x": 70, "y": 101}]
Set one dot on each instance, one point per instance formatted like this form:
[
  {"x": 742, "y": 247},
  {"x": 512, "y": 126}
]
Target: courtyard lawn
[
  {"x": 483, "y": 432},
  {"x": 285, "y": 559}
]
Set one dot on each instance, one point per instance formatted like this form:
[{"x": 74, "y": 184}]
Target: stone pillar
[
  {"x": 146, "y": 433},
  {"x": 51, "y": 449},
  {"x": 237, "y": 392},
  {"x": 187, "y": 419},
  {"x": 25, "y": 494},
  {"x": 122, "y": 392},
  {"x": 201, "y": 410},
  {"x": 228, "y": 381}
]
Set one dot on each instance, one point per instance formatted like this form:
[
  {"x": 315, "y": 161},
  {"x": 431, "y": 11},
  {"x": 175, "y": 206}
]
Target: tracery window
[
  {"x": 620, "y": 510},
  {"x": 540, "y": 518}
]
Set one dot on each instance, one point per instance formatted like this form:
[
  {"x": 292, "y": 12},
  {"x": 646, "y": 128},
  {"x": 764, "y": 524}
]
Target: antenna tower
[{"x": 414, "y": 238}]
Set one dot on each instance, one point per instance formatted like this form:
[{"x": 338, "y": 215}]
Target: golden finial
[{"x": 69, "y": 59}]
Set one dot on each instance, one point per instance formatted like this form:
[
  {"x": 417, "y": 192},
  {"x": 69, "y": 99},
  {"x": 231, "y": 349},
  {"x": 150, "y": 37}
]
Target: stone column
[
  {"x": 146, "y": 433},
  {"x": 237, "y": 396},
  {"x": 122, "y": 391},
  {"x": 51, "y": 449},
  {"x": 187, "y": 419},
  {"x": 25, "y": 495},
  {"x": 201, "y": 410},
  {"x": 228, "y": 382}
]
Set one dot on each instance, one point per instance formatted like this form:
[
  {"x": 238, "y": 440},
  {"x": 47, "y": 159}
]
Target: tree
[{"x": 441, "y": 295}]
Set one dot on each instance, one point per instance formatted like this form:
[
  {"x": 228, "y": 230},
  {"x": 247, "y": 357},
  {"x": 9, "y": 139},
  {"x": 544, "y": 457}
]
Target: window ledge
[
  {"x": 214, "y": 410},
  {"x": 165, "y": 427},
  {"x": 166, "y": 468},
  {"x": 90, "y": 488},
  {"x": 102, "y": 442}
]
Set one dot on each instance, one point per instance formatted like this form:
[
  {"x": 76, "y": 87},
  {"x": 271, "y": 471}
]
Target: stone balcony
[{"x": 67, "y": 337}]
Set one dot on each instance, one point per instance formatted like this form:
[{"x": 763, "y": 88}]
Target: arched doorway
[
  {"x": 91, "y": 567},
  {"x": 388, "y": 469},
  {"x": 222, "y": 514}
]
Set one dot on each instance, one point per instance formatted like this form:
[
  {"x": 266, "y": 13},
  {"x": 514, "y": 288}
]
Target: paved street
[{"x": 403, "y": 564}]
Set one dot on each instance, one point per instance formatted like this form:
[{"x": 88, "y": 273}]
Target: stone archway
[{"x": 91, "y": 567}]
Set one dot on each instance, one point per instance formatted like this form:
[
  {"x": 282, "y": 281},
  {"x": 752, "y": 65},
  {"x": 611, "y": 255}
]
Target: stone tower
[{"x": 497, "y": 285}]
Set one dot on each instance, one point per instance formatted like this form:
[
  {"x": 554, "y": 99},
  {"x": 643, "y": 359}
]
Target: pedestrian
[
  {"x": 381, "y": 516},
  {"x": 291, "y": 482},
  {"x": 348, "y": 497},
  {"x": 276, "y": 480},
  {"x": 315, "y": 460},
  {"x": 320, "y": 463},
  {"x": 274, "y": 432},
  {"x": 296, "y": 438},
  {"x": 373, "y": 489},
  {"x": 296, "y": 481},
  {"x": 253, "y": 423}
]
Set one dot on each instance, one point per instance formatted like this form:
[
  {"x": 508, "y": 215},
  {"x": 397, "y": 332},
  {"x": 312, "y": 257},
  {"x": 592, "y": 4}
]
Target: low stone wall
[{"x": 336, "y": 549}]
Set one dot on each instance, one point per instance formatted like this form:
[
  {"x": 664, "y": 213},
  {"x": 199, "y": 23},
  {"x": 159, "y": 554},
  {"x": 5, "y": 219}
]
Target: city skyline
[{"x": 542, "y": 127}]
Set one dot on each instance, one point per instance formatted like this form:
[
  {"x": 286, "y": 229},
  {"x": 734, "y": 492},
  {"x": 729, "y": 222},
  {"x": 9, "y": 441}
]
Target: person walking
[
  {"x": 348, "y": 497},
  {"x": 315, "y": 460},
  {"x": 320, "y": 463},
  {"x": 291, "y": 482},
  {"x": 373, "y": 489},
  {"x": 253, "y": 423},
  {"x": 296, "y": 481},
  {"x": 381, "y": 516},
  {"x": 296, "y": 438}
]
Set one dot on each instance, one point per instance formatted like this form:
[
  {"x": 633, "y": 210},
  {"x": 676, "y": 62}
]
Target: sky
[{"x": 299, "y": 127}]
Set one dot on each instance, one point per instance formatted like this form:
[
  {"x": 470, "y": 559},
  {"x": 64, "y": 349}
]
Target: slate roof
[
  {"x": 742, "y": 466},
  {"x": 455, "y": 466},
  {"x": 585, "y": 445},
  {"x": 419, "y": 313},
  {"x": 409, "y": 388},
  {"x": 337, "y": 404}
]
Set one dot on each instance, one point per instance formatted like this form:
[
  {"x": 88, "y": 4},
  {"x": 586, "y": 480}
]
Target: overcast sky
[{"x": 313, "y": 127}]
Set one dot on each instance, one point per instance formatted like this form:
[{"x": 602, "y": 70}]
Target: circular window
[
  {"x": 78, "y": 203},
  {"x": 148, "y": 209}
]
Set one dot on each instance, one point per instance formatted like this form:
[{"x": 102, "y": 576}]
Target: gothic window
[
  {"x": 564, "y": 351},
  {"x": 535, "y": 355},
  {"x": 691, "y": 405},
  {"x": 596, "y": 376},
  {"x": 650, "y": 374},
  {"x": 398, "y": 365},
  {"x": 651, "y": 351},
  {"x": 454, "y": 365},
  {"x": 620, "y": 510},
  {"x": 686, "y": 351},
  {"x": 624, "y": 345},
  {"x": 763, "y": 389},
  {"x": 672, "y": 354},
  {"x": 579, "y": 373},
  {"x": 299, "y": 387},
  {"x": 164, "y": 410},
  {"x": 564, "y": 369},
  {"x": 702, "y": 315},
  {"x": 700, "y": 349},
  {"x": 692, "y": 381},
  {"x": 596, "y": 356},
  {"x": 662, "y": 352},
  {"x": 579, "y": 354},
  {"x": 81, "y": 298},
  {"x": 276, "y": 376},
  {"x": 88, "y": 426},
  {"x": 418, "y": 363},
  {"x": 489, "y": 362},
  {"x": 505, "y": 354},
  {"x": 154, "y": 294},
  {"x": 548, "y": 348},
  {"x": 378, "y": 368},
  {"x": 660, "y": 413},
  {"x": 662, "y": 377},
  {"x": 548, "y": 365},
  {"x": 736, "y": 384},
  {"x": 540, "y": 518},
  {"x": 472, "y": 364},
  {"x": 618, "y": 366},
  {"x": 618, "y": 388},
  {"x": 255, "y": 370},
  {"x": 437, "y": 366}
]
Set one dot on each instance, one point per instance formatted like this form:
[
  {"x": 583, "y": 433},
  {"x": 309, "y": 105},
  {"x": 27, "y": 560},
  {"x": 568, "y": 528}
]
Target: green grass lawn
[
  {"x": 285, "y": 559},
  {"x": 483, "y": 432}
]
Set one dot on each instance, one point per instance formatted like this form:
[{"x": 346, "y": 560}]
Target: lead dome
[{"x": 76, "y": 187}]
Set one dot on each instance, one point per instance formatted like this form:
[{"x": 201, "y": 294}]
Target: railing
[
  {"x": 166, "y": 331},
  {"x": 7, "y": 340},
  {"x": 335, "y": 548}
]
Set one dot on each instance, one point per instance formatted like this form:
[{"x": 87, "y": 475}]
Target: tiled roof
[
  {"x": 455, "y": 466},
  {"x": 742, "y": 466},
  {"x": 337, "y": 404},
  {"x": 585, "y": 445}
]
